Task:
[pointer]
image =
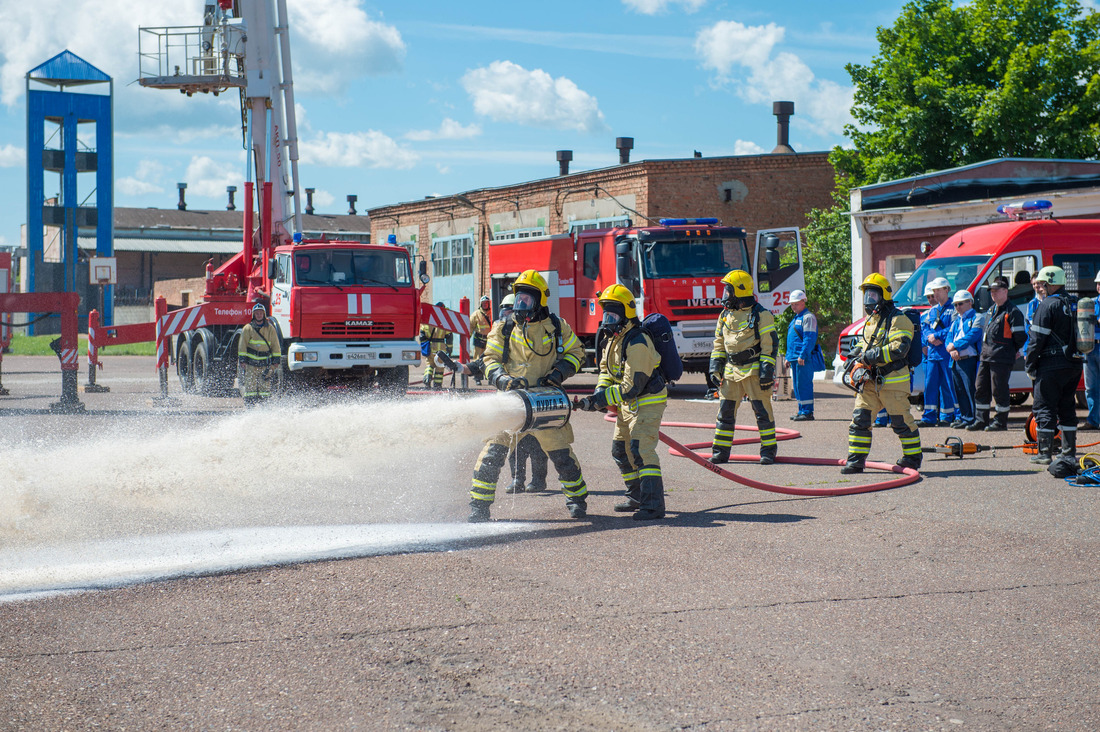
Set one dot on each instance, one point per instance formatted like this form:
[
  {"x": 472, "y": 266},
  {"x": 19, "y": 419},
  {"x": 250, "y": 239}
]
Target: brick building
[
  {"x": 891, "y": 220},
  {"x": 454, "y": 232}
]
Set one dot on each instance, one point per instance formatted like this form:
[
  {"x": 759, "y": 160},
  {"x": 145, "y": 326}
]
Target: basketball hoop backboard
[{"x": 102, "y": 270}]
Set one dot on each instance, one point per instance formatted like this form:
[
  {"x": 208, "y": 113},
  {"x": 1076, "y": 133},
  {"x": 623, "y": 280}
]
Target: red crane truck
[
  {"x": 674, "y": 269},
  {"x": 344, "y": 311}
]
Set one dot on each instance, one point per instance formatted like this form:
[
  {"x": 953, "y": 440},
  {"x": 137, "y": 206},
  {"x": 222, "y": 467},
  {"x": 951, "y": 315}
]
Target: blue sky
[{"x": 400, "y": 100}]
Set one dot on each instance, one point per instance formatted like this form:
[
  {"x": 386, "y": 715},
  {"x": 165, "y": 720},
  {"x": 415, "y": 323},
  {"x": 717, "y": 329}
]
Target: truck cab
[{"x": 346, "y": 307}]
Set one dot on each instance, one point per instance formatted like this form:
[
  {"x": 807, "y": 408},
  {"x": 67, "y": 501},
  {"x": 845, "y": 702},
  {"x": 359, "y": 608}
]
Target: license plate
[
  {"x": 702, "y": 345},
  {"x": 363, "y": 356}
]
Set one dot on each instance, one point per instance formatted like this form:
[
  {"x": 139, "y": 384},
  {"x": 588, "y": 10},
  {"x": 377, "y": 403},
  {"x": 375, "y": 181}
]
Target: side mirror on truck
[
  {"x": 272, "y": 269},
  {"x": 424, "y": 278},
  {"x": 624, "y": 265},
  {"x": 771, "y": 253}
]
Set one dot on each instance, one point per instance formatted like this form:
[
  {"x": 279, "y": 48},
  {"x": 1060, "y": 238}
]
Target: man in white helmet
[
  {"x": 940, "y": 405},
  {"x": 1054, "y": 365},
  {"x": 963, "y": 345},
  {"x": 803, "y": 355}
]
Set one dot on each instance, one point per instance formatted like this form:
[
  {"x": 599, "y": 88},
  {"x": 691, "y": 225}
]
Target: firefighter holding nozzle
[
  {"x": 742, "y": 363},
  {"x": 882, "y": 347},
  {"x": 533, "y": 348},
  {"x": 258, "y": 357},
  {"x": 631, "y": 381}
]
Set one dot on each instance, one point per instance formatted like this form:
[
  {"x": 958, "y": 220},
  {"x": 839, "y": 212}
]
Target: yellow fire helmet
[
  {"x": 740, "y": 282},
  {"x": 621, "y": 295},
  {"x": 1052, "y": 275},
  {"x": 880, "y": 282},
  {"x": 535, "y": 281}
]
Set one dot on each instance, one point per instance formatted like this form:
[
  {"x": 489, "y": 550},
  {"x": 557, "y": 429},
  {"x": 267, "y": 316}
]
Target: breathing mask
[
  {"x": 614, "y": 317},
  {"x": 872, "y": 300},
  {"x": 526, "y": 306}
]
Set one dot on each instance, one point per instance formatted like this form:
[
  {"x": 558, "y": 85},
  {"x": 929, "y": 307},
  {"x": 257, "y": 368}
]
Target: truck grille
[
  {"x": 846, "y": 343},
  {"x": 342, "y": 330}
]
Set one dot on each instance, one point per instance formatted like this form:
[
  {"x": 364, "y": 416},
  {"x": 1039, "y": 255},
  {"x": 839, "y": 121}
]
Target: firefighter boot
[
  {"x": 517, "y": 462},
  {"x": 652, "y": 499},
  {"x": 999, "y": 422},
  {"x": 981, "y": 421},
  {"x": 577, "y": 509},
  {"x": 853, "y": 465},
  {"x": 1044, "y": 447},
  {"x": 1065, "y": 464},
  {"x": 479, "y": 511},
  {"x": 633, "y": 497},
  {"x": 910, "y": 461},
  {"x": 719, "y": 454},
  {"x": 767, "y": 455}
]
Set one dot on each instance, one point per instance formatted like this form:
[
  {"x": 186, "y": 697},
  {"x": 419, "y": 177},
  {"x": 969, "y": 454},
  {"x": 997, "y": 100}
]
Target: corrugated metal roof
[
  {"x": 67, "y": 68},
  {"x": 182, "y": 246},
  {"x": 173, "y": 218}
]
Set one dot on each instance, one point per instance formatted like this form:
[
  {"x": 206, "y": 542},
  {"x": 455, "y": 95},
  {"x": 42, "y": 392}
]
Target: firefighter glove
[
  {"x": 586, "y": 404},
  {"x": 767, "y": 375},
  {"x": 554, "y": 378},
  {"x": 511, "y": 383},
  {"x": 717, "y": 368},
  {"x": 871, "y": 356}
]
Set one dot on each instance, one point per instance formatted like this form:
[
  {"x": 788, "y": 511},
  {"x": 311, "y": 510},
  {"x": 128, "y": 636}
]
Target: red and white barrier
[{"x": 449, "y": 320}]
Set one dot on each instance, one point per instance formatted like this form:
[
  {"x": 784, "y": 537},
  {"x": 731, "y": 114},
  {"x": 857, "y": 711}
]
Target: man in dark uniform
[
  {"x": 1053, "y": 364},
  {"x": 1004, "y": 337}
]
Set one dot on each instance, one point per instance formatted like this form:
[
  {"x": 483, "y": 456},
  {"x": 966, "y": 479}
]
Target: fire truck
[
  {"x": 344, "y": 311},
  {"x": 674, "y": 268}
]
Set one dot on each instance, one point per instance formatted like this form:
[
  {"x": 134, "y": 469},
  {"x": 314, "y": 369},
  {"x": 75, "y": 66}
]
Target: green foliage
[
  {"x": 952, "y": 86},
  {"x": 23, "y": 345}
]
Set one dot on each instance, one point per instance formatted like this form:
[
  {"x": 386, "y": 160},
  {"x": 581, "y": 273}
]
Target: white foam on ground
[
  {"x": 99, "y": 565},
  {"x": 287, "y": 465}
]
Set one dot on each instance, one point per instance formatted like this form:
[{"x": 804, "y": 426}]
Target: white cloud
[
  {"x": 12, "y": 156},
  {"x": 322, "y": 198},
  {"x": 208, "y": 177},
  {"x": 442, "y": 169},
  {"x": 147, "y": 179},
  {"x": 652, "y": 7},
  {"x": 355, "y": 149},
  {"x": 744, "y": 57},
  {"x": 448, "y": 130},
  {"x": 747, "y": 147},
  {"x": 507, "y": 92},
  {"x": 334, "y": 41}
]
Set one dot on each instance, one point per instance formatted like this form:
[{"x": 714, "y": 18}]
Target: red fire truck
[{"x": 674, "y": 269}]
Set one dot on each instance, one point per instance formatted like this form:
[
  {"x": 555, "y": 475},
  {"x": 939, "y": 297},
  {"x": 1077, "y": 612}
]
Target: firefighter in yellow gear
[
  {"x": 437, "y": 340},
  {"x": 632, "y": 382},
  {"x": 533, "y": 348},
  {"x": 480, "y": 325},
  {"x": 883, "y": 346},
  {"x": 259, "y": 357},
  {"x": 742, "y": 362}
]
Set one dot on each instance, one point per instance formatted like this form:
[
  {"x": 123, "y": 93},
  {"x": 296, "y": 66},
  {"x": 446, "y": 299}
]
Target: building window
[
  {"x": 900, "y": 267},
  {"x": 608, "y": 223},
  {"x": 453, "y": 255},
  {"x": 513, "y": 234}
]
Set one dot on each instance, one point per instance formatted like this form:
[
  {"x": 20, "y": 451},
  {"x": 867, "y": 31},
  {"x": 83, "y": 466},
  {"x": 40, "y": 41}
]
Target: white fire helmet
[
  {"x": 929, "y": 291},
  {"x": 798, "y": 296},
  {"x": 938, "y": 283},
  {"x": 962, "y": 296}
]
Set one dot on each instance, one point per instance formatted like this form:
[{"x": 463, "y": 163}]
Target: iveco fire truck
[
  {"x": 674, "y": 269},
  {"x": 343, "y": 310}
]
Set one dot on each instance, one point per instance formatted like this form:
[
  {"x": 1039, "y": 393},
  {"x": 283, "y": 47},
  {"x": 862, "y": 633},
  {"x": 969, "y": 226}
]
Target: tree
[{"x": 953, "y": 86}]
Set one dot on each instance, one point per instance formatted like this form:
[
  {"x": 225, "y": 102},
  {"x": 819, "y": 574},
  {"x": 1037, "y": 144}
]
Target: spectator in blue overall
[
  {"x": 804, "y": 356},
  {"x": 1032, "y": 306},
  {"x": 939, "y": 392},
  {"x": 963, "y": 344},
  {"x": 1092, "y": 371}
]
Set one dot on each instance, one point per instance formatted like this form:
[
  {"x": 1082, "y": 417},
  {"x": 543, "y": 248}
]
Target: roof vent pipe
[
  {"x": 309, "y": 201},
  {"x": 351, "y": 204},
  {"x": 783, "y": 112},
  {"x": 182, "y": 205},
  {"x": 231, "y": 190},
  {"x": 625, "y": 145},
  {"x": 564, "y": 156}
]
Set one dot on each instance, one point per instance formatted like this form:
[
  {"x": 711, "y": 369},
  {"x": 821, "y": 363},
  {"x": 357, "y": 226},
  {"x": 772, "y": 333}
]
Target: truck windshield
[
  {"x": 347, "y": 267},
  {"x": 960, "y": 273},
  {"x": 693, "y": 257}
]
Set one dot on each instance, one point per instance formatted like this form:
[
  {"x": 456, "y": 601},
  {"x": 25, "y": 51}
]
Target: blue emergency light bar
[
  {"x": 1022, "y": 207},
  {"x": 688, "y": 222}
]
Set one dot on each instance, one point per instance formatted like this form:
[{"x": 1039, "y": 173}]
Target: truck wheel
[
  {"x": 183, "y": 367},
  {"x": 202, "y": 370},
  {"x": 394, "y": 382}
]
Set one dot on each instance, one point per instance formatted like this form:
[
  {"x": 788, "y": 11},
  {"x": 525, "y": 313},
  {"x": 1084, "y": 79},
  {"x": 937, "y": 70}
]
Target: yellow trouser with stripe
[
  {"x": 731, "y": 392},
  {"x": 893, "y": 396},
  {"x": 556, "y": 443}
]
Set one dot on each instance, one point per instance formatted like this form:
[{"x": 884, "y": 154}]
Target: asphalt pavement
[{"x": 968, "y": 600}]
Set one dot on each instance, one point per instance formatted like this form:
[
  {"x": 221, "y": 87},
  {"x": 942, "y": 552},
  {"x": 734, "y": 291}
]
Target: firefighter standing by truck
[
  {"x": 535, "y": 347},
  {"x": 883, "y": 347},
  {"x": 1054, "y": 365},
  {"x": 742, "y": 362},
  {"x": 480, "y": 325},
  {"x": 632, "y": 382},
  {"x": 433, "y": 340},
  {"x": 1004, "y": 337},
  {"x": 258, "y": 356}
]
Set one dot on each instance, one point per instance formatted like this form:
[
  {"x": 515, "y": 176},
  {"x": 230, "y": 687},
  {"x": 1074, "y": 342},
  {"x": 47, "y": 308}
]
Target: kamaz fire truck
[
  {"x": 674, "y": 269},
  {"x": 343, "y": 310}
]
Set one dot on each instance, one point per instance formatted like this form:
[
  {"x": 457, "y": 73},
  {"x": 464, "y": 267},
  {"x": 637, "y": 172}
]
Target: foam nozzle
[{"x": 545, "y": 407}]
